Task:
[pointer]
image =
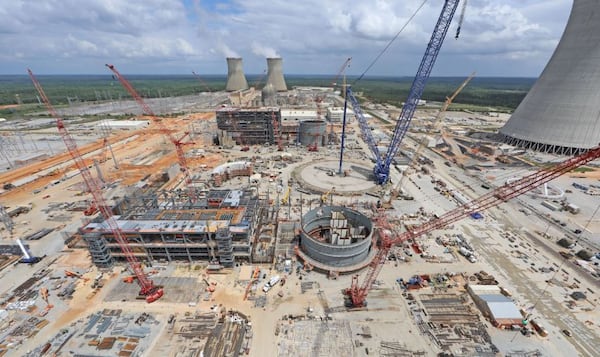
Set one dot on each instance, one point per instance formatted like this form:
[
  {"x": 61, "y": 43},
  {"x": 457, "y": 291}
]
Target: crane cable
[{"x": 390, "y": 43}]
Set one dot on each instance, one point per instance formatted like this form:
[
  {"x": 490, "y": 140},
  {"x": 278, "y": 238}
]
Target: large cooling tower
[
  {"x": 236, "y": 80},
  {"x": 561, "y": 112},
  {"x": 275, "y": 74}
]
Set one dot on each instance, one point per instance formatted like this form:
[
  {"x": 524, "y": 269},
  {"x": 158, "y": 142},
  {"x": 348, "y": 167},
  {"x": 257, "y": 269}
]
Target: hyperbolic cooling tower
[
  {"x": 275, "y": 74},
  {"x": 561, "y": 112},
  {"x": 236, "y": 80}
]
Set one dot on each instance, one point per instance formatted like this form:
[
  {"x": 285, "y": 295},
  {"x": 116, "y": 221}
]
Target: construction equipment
[
  {"x": 286, "y": 198},
  {"x": 177, "y": 142},
  {"x": 210, "y": 286},
  {"x": 253, "y": 280},
  {"x": 72, "y": 274},
  {"x": 340, "y": 72},
  {"x": 27, "y": 258},
  {"x": 148, "y": 289},
  {"x": 388, "y": 238},
  {"x": 381, "y": 171},
  {"x": 436, "y": 125},
  {"x": 201, "y": 81},
  {"x": 461, "y": 18},
  {"x": 44, "y": 294},
  {"x": 326, "y": 195}
]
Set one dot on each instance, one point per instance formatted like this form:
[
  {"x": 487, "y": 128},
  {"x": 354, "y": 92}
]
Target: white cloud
[{"x": 313, "y": 36}]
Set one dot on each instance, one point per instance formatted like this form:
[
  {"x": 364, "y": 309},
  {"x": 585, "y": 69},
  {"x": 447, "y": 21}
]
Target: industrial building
[
  {"x": 560, "y": 112},
  {"x": 249, "y": 126},
  {"x": 501, "y": 310},
  {"x": 219, "y": 228}
]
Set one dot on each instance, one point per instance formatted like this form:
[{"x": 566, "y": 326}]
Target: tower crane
[
  {"x": 436, "y": 124},
  {"x": 358, "y": 292},
  {"x": 381, "y": 170},
  {"x": 148, "y": 289},
  {"x": 178, "y": 142}
]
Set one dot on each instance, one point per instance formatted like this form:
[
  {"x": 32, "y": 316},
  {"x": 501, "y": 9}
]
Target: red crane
[
  {"x": 148, "y": 289},
  {"x": 339, "y": 73},
  {"x": 200, "y": 80},
  {"x": 388, "y": 238},
  {"x": 178, "y": 142},
  {"x": 276, "y": 131}
]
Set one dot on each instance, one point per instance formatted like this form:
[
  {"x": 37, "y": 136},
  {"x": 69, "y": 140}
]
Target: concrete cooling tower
[
  {"x": 275, "y": 74},
  {"x": 236, "y": 80},
  {"x": 561, "y": 112}
]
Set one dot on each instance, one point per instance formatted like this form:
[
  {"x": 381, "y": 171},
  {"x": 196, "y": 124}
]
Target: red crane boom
[
  {"x": 148, "y": 289},
  {"x": 358, "y": 294},
  {"x": 201, "y": 81},
  {"x": 178, "y": 142}
]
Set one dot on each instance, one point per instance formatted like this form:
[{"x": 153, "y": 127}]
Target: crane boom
[
  {"x": 382, "y": 172},
  {"x": 178, "y": 142},
  {"x": 436, "y": 123},
  {"x": 494, "y": 198},
  {"x": 201, "y": 81},
  {"x": 147, "y": 286},
  {"x": 340, "y": 71}
]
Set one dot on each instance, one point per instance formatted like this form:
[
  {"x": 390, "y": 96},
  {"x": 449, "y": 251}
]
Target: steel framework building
[
  {"x": 250, "y": 126},
  {"x": 219, "y": 228},
  {"x": 561, "y": 112}
]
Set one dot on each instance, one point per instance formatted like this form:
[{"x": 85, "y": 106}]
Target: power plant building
[
  {"x": 252, "y": 126},
  {"x": 561, "y": 112},
  {"x": 219, "y": 228}
]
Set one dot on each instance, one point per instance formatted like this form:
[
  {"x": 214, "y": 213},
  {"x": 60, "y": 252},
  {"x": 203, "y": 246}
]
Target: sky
[{"x": 509, "y": 38}]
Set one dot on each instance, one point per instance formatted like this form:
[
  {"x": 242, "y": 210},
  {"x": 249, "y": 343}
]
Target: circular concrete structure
[
  {"x": 336, "y": 237},
  {"x": 321, "y": 176},
  {"x": 313, "y": 131}
]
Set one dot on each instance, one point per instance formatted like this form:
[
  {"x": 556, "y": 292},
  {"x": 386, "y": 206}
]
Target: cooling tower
[
  {"x": 561, "y": 112},
  {"x": 275, "y": 74},
  {"x": 236, "y": 80}
]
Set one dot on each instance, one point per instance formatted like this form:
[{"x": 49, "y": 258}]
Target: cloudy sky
[{"x": 498, "y": 38}]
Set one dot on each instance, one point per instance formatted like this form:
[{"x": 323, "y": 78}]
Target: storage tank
[{"x": 312, "y": 131}]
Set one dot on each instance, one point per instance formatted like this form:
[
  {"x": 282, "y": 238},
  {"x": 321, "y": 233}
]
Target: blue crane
[{"x": 382, "y": 164}]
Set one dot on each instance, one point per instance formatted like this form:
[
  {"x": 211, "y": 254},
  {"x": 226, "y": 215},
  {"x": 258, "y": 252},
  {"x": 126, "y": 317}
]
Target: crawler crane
[
  {"x": 357, "y": 293},
  {"x": 148, "y": 289},
  {"x": 381, "y": 171},
  {"x": 177, "y": 142}
]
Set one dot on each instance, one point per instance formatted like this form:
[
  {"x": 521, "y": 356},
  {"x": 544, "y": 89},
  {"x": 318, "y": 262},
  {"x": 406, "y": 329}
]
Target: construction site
[{"x": 303, "y": 221}]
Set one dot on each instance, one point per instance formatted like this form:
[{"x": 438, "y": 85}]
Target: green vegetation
[
  {"x": 584, "y": 169},
  {"x": 501, "y": 93}
]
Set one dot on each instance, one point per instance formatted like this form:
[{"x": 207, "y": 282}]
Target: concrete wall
[{"x": 335, "y": 255}]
